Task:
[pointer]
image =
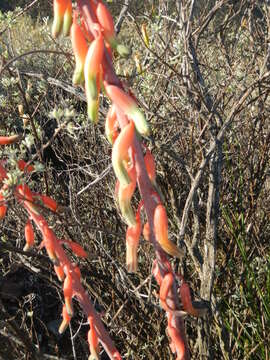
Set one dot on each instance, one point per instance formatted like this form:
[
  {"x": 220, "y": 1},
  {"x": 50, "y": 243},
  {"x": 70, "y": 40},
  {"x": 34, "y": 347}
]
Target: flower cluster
[{"x": 91, "y": 30}]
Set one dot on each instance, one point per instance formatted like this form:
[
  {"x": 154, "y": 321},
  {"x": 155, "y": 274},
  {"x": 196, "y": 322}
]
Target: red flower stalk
[
  {"x": 8, "y": 140},
  {"x": 161, "y": 232},
  {"x": 29, "y": 235},
  {"x": 120, "y": 153},
  {"x": 129, "y": 107},
  {"x": 132, "y": 242},
  {"x": 65, "y": 321},
  {"x": 91, "y": 74},
  {"x": 80, "y": 49}
]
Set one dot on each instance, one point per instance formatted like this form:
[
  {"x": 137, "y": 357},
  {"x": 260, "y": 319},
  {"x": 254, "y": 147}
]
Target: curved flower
[
  {"x": 67, "y": 21},
  {"x": 129, "y": 107},
  {"x": 59, "y": 9},
  {"x": 65, "y": 321},
  {"x": 68, "y": 293},
  {"x": 91, "y": 74},
  {"x": 105, "y": 19},
  {"x": 124, "y": 197},
  {"x": 111, "y": 125},
  {"x": 7, "y": 140},
  {"x": 132, "y": 242},
  {"x": 120, "y": 153},
  {"x": 29, "y": 235},
  {"x": 80, "y": 49},
  {"x": 161, "y": 232},
  {"x": 93, "y": 341}
]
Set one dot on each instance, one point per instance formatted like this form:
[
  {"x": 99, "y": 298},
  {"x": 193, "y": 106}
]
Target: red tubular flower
[
  {"x": 59, "y": 272},
  {"x": 29, "y": 235},
  {"x": 128, "y": 106},
  {"x": 77, "y": 249},
  {"x": 49, "y": 243},
  {"x": 165, "y": 288},
  {"x": 68, "y": 293},
  {"x": 59, "y": 8},
  {"x": 177, "y": 343},
  {"x": 7, "y": 140},
  {"x": 80, "y": 49},
  {"x": 49, "y": 202},
  {"x": 3, "y": 207},
  {"x": 111, "y": 125},
  {"x": 132, "y": 242},
  {"x": 125, "y": 194},
  {"x": 161, "y": 232},
  {"x": 187, "y": 301},
  {"x": 93, "y": 341},
  {"x": 91, "y": 74},
  {"x": 67, "y": 19},
  {"x": 106, "y": 21},
  {"x": 150, "y": 166},
  {"x": 120, "y": 153},
  {"x": 65, "y": 321}
]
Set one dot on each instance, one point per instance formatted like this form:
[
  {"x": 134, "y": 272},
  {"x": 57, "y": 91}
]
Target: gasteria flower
[
  {"x": 65, "y": 321},
  {"x": 165, "y": 288},
  {"x": 120, "y": 149},
  {"x": 29, "y": 235},
  {"x": 177, "y": 344},
  {"x": 132, "y": 242},
  {"x": 59, "y": 9},
  {"x": 67, "y": 19},
  {"x": 7, "y": 140},
  {"x": 111, "y": 125},
  {"x": 93, "y": 341},
  {"x": 91, "y": 74},
  {"x": 106, "y": 21},
  {"x": 161, "y": 232},
  {"x": 80, "y": 49},
  {"x": 187, "y": 302},
  {"x": 124, "y": 194},
  {"x": 68, "y": 293},
  {"x": 49, "y": 202},
  {"x": 59, "y": 272},
  {"x": 150, "y": 166},
  {"x": 128, "y": 106}
]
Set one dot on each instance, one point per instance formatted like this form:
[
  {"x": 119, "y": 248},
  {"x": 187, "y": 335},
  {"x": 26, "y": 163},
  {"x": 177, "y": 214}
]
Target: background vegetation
[{"x": 203, "y": 70}]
